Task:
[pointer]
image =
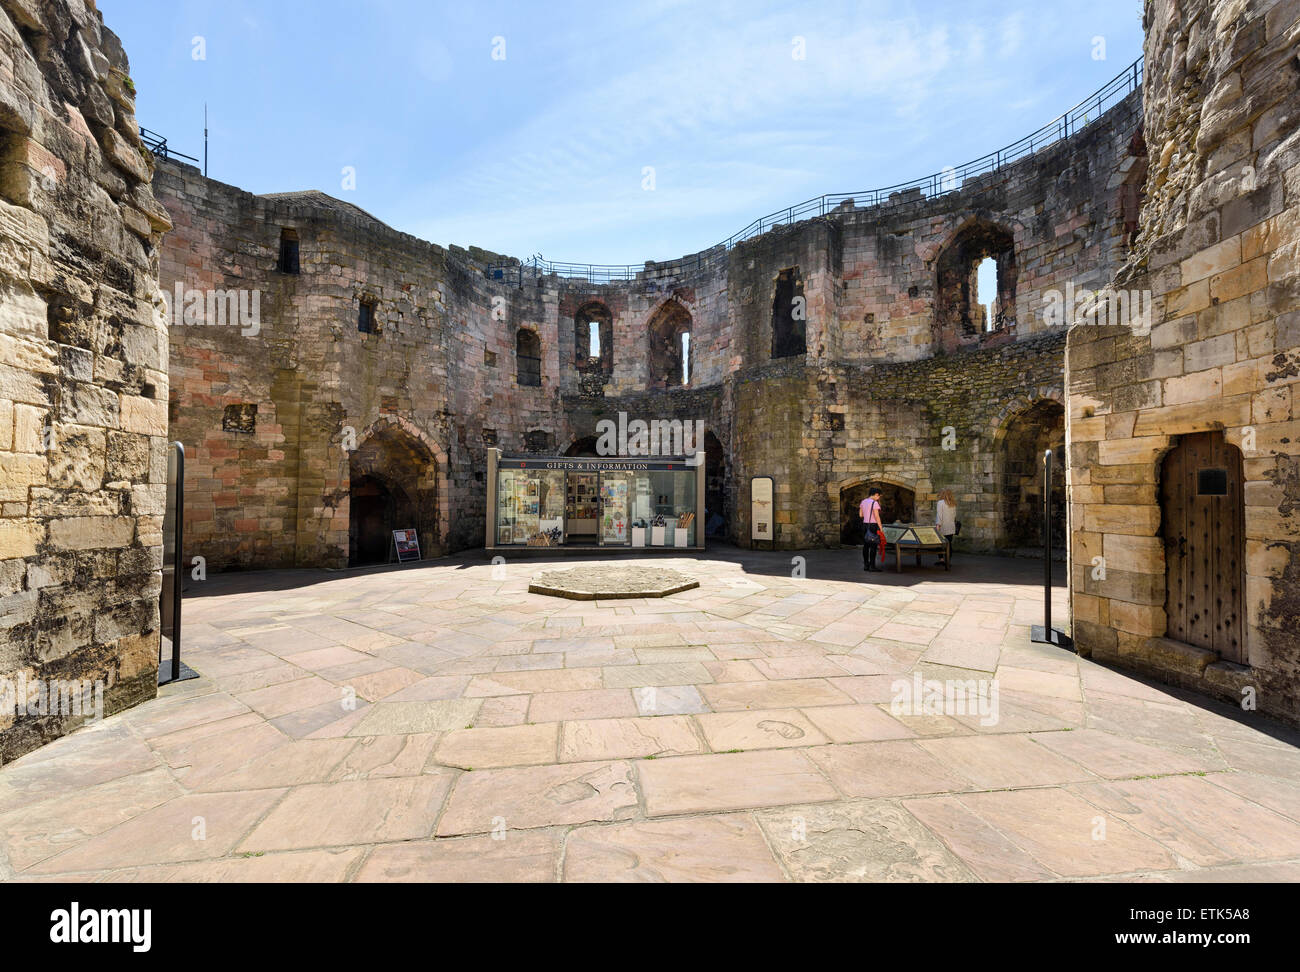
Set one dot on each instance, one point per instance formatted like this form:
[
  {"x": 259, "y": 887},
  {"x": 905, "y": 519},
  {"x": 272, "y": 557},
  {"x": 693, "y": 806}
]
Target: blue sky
[{"x": 545, "y": 150}]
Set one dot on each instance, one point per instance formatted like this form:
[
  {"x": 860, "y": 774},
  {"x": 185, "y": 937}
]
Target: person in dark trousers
[{"x": 872, "y": 525}]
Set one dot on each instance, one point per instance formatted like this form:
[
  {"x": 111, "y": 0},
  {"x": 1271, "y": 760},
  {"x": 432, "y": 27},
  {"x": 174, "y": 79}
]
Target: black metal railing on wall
[
  {"x": 156, "y": 144},
  {"x": 1065, "y": 126}
]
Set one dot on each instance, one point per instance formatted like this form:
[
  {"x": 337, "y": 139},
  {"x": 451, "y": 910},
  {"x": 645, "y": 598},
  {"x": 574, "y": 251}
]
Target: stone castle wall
[
  {"x": 83, "y": 373},
  {"x": 1219, "y": 250},
  {"x": 882, "y": 376}
]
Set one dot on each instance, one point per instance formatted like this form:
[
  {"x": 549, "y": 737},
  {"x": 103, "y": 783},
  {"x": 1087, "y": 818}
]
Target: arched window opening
[
  {"x": 670, "y": 346},
  {"x": 976, "y": 291},
  {"x": 593, "y": 329}
]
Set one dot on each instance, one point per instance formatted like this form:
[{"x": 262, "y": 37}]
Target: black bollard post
[{"x": 1047, "y": 635}]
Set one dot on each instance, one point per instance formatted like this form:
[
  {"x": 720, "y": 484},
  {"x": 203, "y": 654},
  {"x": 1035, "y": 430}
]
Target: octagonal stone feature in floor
[{"x": 591, "y": 583}]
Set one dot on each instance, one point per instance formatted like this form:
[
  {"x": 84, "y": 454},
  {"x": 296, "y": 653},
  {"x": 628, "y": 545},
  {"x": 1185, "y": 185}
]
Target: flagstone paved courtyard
[{"x": 440, "y": 723}]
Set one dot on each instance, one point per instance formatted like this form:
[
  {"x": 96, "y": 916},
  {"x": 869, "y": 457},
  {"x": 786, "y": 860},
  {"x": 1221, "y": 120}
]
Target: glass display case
[{"x": 580, "y": 502}]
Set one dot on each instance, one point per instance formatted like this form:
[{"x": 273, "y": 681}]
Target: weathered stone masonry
[
  {"x": 83, "y": 371},
  {"x": 863, "y": 388},
  {"x": 1219, "y": 248}
]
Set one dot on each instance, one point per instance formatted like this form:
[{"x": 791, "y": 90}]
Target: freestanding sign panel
[
  {"x": 762, "y": 491},
  {"x": 407, "y": 545}
]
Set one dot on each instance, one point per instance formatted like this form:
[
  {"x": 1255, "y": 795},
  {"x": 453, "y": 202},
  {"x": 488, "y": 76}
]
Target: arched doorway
[
  {"x": 1026, "y": 437},
  {"x": 897, "y": 504},
  {"x": 392, "y": 486},
  {"x": 584, "y": 448},
  {"x": 1202, "y": 523}
]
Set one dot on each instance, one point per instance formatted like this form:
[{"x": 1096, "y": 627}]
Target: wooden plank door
[{"x": 1203, "y": 527}]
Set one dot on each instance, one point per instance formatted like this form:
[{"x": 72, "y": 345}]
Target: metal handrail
[
  {"x": 1061, "y": 128},
  {"x": 157, "y": 144}
]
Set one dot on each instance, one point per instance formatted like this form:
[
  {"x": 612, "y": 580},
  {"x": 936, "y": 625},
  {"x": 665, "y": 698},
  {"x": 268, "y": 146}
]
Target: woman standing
[
  {"x": 945, "y": 519},
  {"x": 872, "y": 527}
]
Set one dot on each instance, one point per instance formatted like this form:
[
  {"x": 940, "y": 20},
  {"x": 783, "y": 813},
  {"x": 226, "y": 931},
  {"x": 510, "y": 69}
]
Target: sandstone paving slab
[
  {"x": 331, "y": 865},
  {"x": 184, "y": 713},
  {"x": 352, "y": 812},
  {"x": 261, "y": 678},
  {"x": 737, "y": 670},
  {"x": 1022, "y": 712},
  {"x": 328, "y": 721},
  {"x": 1097, "y": 678},
  {"x": 377, "y": 757},
  {"x": 639, "y": 738},
  {"x": 891, "y": 768},
  {"x": 960, "y": 653},
  {"x": 539, "y": 796},
  {"x": 499, "y": 746},
  {"x": 726, "y": 848},
  {"x": 1156, "y": 722},
  {"x": 995, "y": 762},
  {"x": 982, "y": 848},
  {"x": 1261, "y": 759},
  {"x": 1197, "y": 820},
  {"x": 196, "y": 761},
  {"x": 1066, "y": 834},
  {"x": 529, "y": 663},
  {"x": 383, "y": 684},
  {"x": 405, "y": 718},
  {"x": 658, "y": 700},
  {"x": 314, "y": 659},
  {"x": 303, "y": 761},
  {"x": 782, "y": 694},
  {"x": 1038, "y": 682},
  {"x": 1280, "y": 796},
  {"x": 196, "y": 827},
  {"x": 662, "y": 673},
  {"x": 1279, "y": 872},
  {"x": 94, "y": 755},
  {"x": 513, "y": 856},
  {"x": 759, "y": 729},
  {"x": 859, "y": 841},
  {"x": 1115, "y": 757},
  {"x": 870, "y": 688},
  {"x": 43, "y": 828},
  {"x": 857, "y": 723},
  {"x": 730, "y": 781},
  {"x": 593, "y": 704},
  {"x": 525, "y": 683},
  {"x": 287, "y": 697},
  {"x": 811, "y": 666},
  {"x": 432, "y": 689},
  {"x": 505, "y": 710}
]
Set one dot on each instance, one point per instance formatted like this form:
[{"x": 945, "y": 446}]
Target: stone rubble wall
[
  {"x": 1220, "y": 252},
  {"x": 83, "y": 369}
]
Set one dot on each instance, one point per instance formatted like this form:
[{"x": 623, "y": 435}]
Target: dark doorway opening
[
  {"x": 897, "y": 505},
  {"x": 1029, "y": 434},
  {"x": 371, "y": 526}
]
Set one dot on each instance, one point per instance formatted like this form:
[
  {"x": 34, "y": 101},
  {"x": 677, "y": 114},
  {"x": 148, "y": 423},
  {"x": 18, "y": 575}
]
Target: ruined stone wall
[
  {"x": 83, "y": 371},
  {"x": 1219, "y": 249},
  {"x": 877, "y": 382}
]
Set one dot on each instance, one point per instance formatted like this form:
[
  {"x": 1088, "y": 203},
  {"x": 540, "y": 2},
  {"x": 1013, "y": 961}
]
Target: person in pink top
[{"x": 872, "y": 525}]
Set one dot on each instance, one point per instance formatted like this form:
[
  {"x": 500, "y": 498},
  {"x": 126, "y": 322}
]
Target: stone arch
[
  {"x": 593, "y": 317},
  {"x": 960, "y": 318},
  {"x": 584, "y": 448},
  {"x": 898, "y": 502},
  {"x": 664, "y": 331},
  {"x": 399, "y": 475},
  {"x": 1027, "y": 428}
]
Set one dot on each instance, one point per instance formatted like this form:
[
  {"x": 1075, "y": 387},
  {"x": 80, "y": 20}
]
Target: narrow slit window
[
  {"x": 366, "y": 319},
  {"x": 289, "y": 251}
]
